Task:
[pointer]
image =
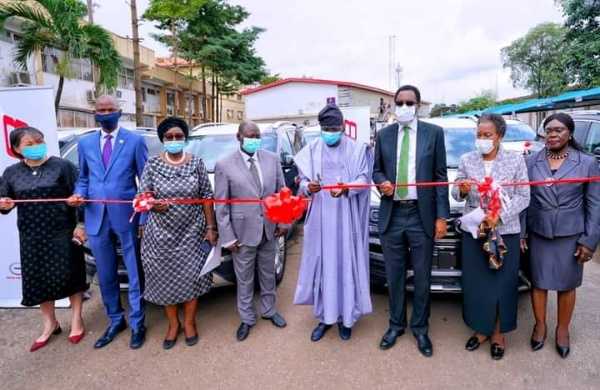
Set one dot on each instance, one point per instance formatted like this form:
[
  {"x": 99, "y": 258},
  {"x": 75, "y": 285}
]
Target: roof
[{"x": 307, "y": 80}]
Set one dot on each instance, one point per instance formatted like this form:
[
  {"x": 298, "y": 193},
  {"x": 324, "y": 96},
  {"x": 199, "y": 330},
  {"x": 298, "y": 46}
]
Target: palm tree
[{"x": 60, "y": 24}]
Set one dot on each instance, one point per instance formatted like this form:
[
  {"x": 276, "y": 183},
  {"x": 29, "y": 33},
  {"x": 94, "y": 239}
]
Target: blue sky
[{"x": 449, "y": 48}]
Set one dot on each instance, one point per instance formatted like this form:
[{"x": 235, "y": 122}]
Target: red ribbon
[{"x": 284, "y": 208}]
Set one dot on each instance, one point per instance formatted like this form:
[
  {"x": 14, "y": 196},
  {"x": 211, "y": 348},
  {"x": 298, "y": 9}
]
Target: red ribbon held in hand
[
  {"x": 489, "y": 195},
  {"x": 283, "y": 208}
]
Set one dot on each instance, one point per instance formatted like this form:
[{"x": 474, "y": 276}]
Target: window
[
  {"x": 240, "y": 115},
  {"x": 81, "y": 68},
  {"x": 170, "y": 103},
  {"x": 229, "y": 113},
  {"x": 581, "y": 128},
  {"x": 126, "y": 78},
  {"x": 79, "y": 119},
  {"x": 593, "y": 139}
]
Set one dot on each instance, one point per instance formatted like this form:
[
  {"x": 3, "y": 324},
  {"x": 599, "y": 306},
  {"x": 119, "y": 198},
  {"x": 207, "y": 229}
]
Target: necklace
[
  {"x": 173, "y": 161},
  {"x": 556, "y": 156}
]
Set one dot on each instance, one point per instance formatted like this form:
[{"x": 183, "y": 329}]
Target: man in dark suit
[{"x": 410, "y": 218}]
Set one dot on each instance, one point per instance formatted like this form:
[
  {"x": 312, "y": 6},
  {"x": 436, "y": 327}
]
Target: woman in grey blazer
[
  {"x": 490, "y": 296},
  {"x": 563, "y": 226}
]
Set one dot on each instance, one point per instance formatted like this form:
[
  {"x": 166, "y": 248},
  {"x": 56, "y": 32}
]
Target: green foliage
[
  {"x": 58, "y": 24},
  {"x": 270, "y": 79},
  {"x": 480, "y": 102},
  {"x": 582, "y": 20},
  {"x": 537, "y": 60}
]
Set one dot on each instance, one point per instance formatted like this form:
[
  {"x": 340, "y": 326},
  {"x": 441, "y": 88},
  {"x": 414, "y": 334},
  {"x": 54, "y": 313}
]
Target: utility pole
[
  {"x": 90, "y": 7},
  {"x": 137, "y": 69}
]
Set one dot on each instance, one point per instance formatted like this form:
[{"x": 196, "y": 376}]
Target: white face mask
[
  {"x": 406, "y": 114},
  {"x": 484, "y": 146}
]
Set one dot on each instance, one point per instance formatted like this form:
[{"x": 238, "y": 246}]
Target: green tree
[
  {"x": 582, "y": 20},
  {"x": 268, "y": 79},
  {"x": 59, "y": 24},
  {"x": 537, "y": 60},
  {"x": 172, "y": 17},
  {"x": 485, "y": 99}
]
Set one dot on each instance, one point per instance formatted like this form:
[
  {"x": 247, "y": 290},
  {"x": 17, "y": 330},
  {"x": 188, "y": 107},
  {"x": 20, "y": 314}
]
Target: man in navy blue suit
[{"x": 110, "y": 161}]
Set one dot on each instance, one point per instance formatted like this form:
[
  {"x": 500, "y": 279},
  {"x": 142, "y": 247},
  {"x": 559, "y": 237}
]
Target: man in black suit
[{"x": 410, "y": 217}]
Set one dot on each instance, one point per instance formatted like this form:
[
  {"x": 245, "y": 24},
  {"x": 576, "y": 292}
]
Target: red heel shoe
[
  {"x": 77, "y": 338},
  {"x": 41, "y": 344}
]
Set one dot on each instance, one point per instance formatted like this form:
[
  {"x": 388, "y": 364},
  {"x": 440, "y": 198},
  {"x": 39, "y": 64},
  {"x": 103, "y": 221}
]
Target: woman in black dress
[{"x": 52, "y": 265}]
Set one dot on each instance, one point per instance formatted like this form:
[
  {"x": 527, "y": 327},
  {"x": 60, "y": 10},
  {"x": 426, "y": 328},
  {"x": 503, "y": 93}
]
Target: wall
[
  {"x": 291, "y": 100},
  {"x": 361, "y": 98}
]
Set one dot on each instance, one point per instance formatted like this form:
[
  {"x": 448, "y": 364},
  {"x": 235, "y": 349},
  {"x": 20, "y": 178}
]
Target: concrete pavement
[{"x": 285, "y": 358}]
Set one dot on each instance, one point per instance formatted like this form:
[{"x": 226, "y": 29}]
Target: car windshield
[
  {"x": 519, "y": 132},
  {"x": 458, "y": 142},
  {"x": 212, "y": 147}
]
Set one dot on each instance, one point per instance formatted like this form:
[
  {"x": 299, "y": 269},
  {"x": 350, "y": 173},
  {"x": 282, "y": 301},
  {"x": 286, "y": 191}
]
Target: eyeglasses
[
  {"x": 408, "y": 104},
  {"x": 555, "y": 130},
  {"x": 174, "y": 137}
]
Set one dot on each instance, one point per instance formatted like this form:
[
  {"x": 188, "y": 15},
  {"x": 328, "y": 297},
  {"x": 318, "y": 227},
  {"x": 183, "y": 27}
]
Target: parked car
[
  {"x": 460, "y": 135},
  {"x": 210, "y": 147}
]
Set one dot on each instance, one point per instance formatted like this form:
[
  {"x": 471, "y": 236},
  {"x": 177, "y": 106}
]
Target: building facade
[
  {"x": 299, "y": 100},
  {"x": 165, "y": 92}
]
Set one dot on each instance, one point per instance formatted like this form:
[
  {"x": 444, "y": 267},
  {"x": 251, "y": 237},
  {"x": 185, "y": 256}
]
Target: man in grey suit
[
  {"x": 410, "y": 218},
  {"x": 250, "y": 173}
]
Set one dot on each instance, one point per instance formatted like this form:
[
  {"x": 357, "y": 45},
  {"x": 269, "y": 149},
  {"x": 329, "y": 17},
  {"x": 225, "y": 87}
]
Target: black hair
[
  {"x": 17, "y": 135},
  {"x": 497, "y": 120},
  {"x": 246, "y": 124},
  {"x": 566, "y": 120},
  {"x": 409, "y": 88},
  {"x": 169, "y": 123}
]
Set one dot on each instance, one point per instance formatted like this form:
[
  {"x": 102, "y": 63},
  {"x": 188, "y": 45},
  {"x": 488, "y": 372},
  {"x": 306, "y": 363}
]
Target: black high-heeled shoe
[
  {"x": 563, "y": 351},
  {"x": 168, "y": 344},
  {"x": 473, "y": 343},
  {"x": 535, "y": 344}
]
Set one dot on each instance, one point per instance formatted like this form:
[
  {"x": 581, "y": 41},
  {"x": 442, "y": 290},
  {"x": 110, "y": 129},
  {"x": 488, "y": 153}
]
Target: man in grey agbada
[
  {"x": 334, "y": 273},
  {"x": 250, "y": 172}
]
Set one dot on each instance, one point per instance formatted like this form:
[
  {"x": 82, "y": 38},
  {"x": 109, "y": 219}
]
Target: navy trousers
[
  {"x": 105, "y": 252},
  {"x": 405, "y": 240}
]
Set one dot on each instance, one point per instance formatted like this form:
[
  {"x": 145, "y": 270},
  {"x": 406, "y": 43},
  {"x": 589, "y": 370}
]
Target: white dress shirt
[
  {"x": 103, "y": 135},
  {"x": 247, "y": 158},
  {"x": 412, "y": 158}
]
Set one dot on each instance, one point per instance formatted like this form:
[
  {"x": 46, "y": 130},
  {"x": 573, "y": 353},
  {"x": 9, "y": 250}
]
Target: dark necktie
[
  {"x": 107, "y": 150},
  {"x": 255, "y": 175}
]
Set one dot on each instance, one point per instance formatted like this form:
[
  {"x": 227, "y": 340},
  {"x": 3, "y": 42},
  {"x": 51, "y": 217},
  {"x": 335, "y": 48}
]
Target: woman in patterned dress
[
  {"x": 174, "y": 247},
  {"x": 52, "y": 265}
]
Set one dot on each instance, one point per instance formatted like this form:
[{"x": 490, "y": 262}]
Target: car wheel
[{"x": 280, "y": 259}]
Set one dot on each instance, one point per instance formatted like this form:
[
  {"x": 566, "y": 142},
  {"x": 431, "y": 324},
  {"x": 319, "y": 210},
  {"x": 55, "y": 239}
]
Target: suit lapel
[
  {"x": 394, "y": 145},
  {"x": 120, "y": 142},
  {"x": 245, "y": 171},
  {"x": 568, "y": 165},
  {"x": 265, "y": 172},
  {"x": 543, "y": 168},
  {"x": 422, "y": 133},
  {"x": 98, "y": 151}
]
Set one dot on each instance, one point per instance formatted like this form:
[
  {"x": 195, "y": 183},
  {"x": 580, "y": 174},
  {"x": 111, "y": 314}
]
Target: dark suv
[
  {"x": 446, "y": 272},
  {"x": 587, "y": 131}
]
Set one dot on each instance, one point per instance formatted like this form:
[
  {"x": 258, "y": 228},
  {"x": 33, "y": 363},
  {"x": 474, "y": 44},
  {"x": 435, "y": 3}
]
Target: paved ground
[{"x": 285, "y": 358}]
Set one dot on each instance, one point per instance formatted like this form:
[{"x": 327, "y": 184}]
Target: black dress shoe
[
  {"x": 110, "y": 334},
  {"x": 473, "y": 343},
  {"x": 535, "y": 344},
  {"x": 243, "y": 331},
  {"x": 318, "y": 333},
  {"x": 389, "y": 338},
  {"x": 563, "y": 351},
  {"x": 277, "y": 320},
  {"x": 168, "y": 344},
  {"x": 138, "y": 337},
  {"x": 497, "y": 351},
  {"x": 424, "y": 345},
  {"x": 345, "y": 333}
]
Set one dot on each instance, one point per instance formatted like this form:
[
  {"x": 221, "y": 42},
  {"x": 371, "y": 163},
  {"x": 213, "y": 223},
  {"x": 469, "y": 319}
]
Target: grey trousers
[{"x": 246, "y": 262}]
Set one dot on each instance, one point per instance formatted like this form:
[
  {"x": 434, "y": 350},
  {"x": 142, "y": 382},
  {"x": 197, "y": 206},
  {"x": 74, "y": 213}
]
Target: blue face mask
[
  {"x": 251, "y": 145},
  {"x": 35, "y": 152},
  {"x": 174, "y": 147},
  {"x": 331, "y": 138},
  {"x": 109, "y": 121}
]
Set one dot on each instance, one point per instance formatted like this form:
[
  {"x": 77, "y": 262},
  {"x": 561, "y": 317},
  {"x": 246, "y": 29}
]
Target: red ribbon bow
[
  {"x": 490, "y": 197},
  {"x": 283, "y": 208},
  {"x": 143, "y": 203}
]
